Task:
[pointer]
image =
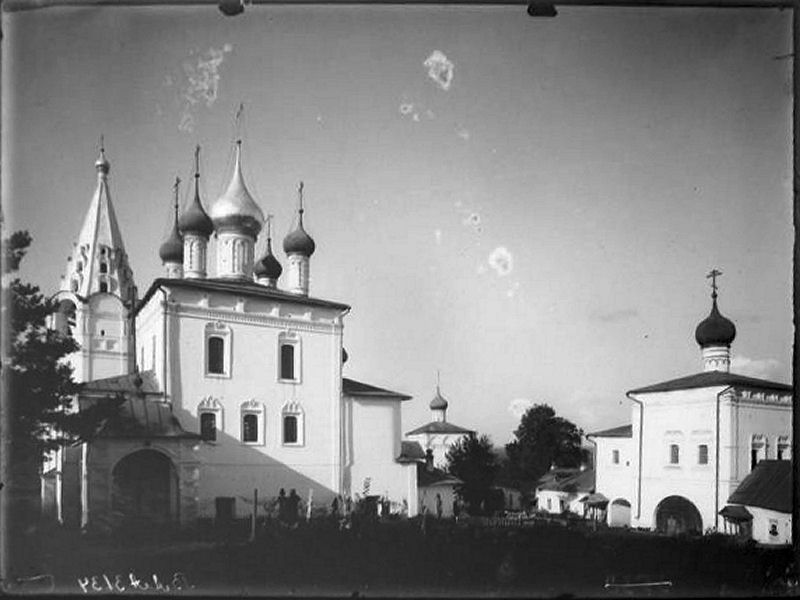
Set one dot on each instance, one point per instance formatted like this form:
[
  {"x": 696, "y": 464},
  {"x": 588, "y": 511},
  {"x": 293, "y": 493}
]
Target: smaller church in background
[{"x": 227, "y": 378}]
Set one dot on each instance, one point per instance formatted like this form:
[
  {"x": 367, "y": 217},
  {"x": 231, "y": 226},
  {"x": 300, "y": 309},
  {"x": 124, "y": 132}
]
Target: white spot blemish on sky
[
  {"x": 406, "y": 108},
  {"x": 415, "y": 117},
  {"x": 518, "y": 406},
  {"x": 501, "y": 261},
  {"x": 474, "y": 220},
  {"x": 437, "y": 233},
  {"x": 481, "y": 269},
  {"x": 429, "y": 113},
  {"x": 440, "y": 69},
  {"x": 511, "y": 292},
  {"x": 201, "y": 85},
  {"x": 319, "y": 119},
  {"x": 463, "y": 133}
]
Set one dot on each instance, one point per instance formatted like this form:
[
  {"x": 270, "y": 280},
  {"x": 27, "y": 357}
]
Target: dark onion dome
[
  {"x": 715, "y": 330},
  {"x": 298, "y": 241},
  {"x": 438, "y": 402},
  {"x": 172, "y": 248},
  {"x": 194, "y": 219},
  {"x": 236, "y": 210},
  {"x": 268, "y": 266}
]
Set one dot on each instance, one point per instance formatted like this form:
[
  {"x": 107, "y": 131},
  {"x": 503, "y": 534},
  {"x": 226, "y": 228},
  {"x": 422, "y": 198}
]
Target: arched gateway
[
  {"x": 676, "y": 515},
  {"x": 145, "y": 490}
]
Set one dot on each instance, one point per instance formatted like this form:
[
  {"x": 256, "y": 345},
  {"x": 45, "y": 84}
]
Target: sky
[{"x": 529, "y": 206}]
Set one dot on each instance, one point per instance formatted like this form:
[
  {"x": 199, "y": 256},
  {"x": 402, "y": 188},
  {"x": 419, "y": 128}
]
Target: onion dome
[
  {"x": 235, "y": 209},
  {"x": 438, "y": 402},
  {"x": 268, "y": 266},
  {"x": 715, "y": 330},
  {"x": 194, "y": 219},
  {"x": 298, "y": 241},
  {"x": 172, "y": 248}
]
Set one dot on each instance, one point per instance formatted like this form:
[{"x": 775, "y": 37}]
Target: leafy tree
[
  {"x": 543, "y": 439},
  {"x": 473, "y": 460}
]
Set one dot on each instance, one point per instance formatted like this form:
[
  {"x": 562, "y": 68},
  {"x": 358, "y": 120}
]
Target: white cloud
[
  {"x": 440, "y": 69},
  {"x": 763, "y": 368}
]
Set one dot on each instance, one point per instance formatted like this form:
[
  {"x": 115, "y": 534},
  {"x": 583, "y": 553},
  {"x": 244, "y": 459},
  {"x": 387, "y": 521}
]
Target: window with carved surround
[
  {"x": 674, "y": 454},
  {"x": 210, "y": 414},
  {"x": 252, "y": 423},
  {"x": 218, "y": 350},
  {"x": 758, "y": 450},
  {"x": 783, "y": 448},
  {"x": 289, "y": 357},
  {"x": 292, "y": 425}
]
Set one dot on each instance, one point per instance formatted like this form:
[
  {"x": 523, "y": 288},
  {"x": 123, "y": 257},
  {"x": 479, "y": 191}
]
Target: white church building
[
  {"x": 692, "y": 440},
  {"x": 228, "y": 377}
]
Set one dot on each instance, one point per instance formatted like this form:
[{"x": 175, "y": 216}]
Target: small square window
[{"x": 615, "y": 457}]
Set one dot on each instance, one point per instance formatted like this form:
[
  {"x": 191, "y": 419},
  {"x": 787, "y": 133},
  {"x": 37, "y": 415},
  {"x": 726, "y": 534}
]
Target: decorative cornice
[
  {"x": 761, "y": 398},
  {"x": 213, "y": 314}
]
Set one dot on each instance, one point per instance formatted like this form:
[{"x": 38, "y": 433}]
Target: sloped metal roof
[
  {"x": 769, "y": 485},
  {"x": 440, "y": 427},
  {"x": 351, "y": 387},
  {"x": 711, "y": 379},
  {"x": 623, "y": 431}
]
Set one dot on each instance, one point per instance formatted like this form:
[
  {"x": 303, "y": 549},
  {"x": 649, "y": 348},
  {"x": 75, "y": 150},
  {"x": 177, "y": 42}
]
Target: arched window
[
  {"x": 293, "y": 424},
  {"x": 250, "y": 428},
  {"x": 218, "y": 350},
  {"x": 208, "y": 426},
  {"x": 104, "y": 267},
  {"x": 287, "y": 361},
  {"x": 290, "y": 429},
  {"x": 674, "y": 454},
  {"x": 103, "y": 287},
  {"x": 216, "y": 355}
]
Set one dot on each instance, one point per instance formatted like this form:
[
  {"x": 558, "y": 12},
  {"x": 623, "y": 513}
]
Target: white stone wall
[
  {"x": 763, "y": 521},
  {"x": 252, "y": 328},
  {"x": 615, "y": 481},
  {"x": 687, "y": 418}
]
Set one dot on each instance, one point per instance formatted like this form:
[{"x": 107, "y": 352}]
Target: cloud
[
  {"x": 614, "y": 316},
  {"x": 501, "y": 261},
  {"x": 763, "y": 368},
  {"x": 518, "y": 406},
  {"x": 440, "y": 69}
]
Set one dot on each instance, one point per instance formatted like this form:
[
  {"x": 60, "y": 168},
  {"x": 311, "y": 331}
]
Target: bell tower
[{"x": 97, "y": 290}]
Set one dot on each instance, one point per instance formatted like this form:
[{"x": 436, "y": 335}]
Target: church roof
[
  {"x": 410, "y": 452},
  {"x": 581, "y": 482},
  {"x": 623, "y": 431},
  {"x": 769, "y": 485},
  {"x": 426, "y": 478},
  {"x": 139, "y": 414},
  {"x": 712, "y": 379},
  {"x": 123, "y": 383},
  {"x": 244, "y": 288},
  {"x": 351, "y": 387},
  {"x": 440, "y": 427},
  {"x": 142, "y": 417}
]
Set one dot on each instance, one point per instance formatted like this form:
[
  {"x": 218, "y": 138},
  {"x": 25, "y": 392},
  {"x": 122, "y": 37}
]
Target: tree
[
  {"x": 472, "y": 459},
  {"x": 543, "y": 439},
  {"x": 40, "y": 384}
]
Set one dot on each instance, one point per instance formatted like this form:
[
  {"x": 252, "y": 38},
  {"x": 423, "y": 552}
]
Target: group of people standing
[{"x": 288, "y": 507}]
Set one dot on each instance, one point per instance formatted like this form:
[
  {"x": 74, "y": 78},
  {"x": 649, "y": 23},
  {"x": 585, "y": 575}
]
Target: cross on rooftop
[{"x": 713, "y": 276}]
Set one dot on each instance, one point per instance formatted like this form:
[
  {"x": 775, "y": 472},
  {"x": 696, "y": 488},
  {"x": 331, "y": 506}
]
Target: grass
[{"x": 398, "y": 558}]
